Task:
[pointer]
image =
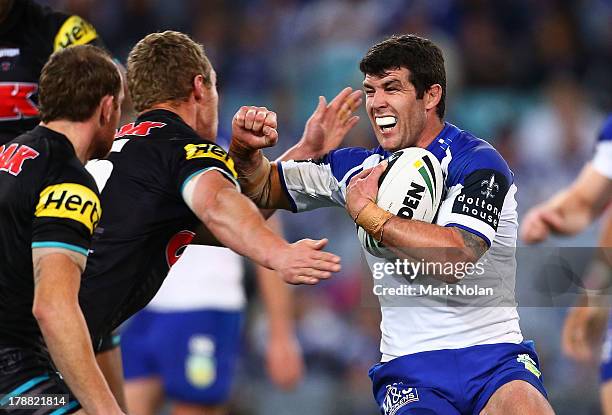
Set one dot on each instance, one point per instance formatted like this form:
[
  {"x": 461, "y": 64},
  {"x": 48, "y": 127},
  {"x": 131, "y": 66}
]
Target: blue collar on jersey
[{"x": 438, "y": 146}]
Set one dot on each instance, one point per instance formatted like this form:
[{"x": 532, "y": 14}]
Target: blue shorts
[
  {"x": 452, "y": 382},
  {"x": 606, "y": 354},
  {"x": 193, "y": 352}
]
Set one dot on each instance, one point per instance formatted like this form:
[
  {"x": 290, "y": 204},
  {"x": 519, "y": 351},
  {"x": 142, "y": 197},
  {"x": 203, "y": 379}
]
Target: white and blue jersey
[{"x": 479, "y": 198}]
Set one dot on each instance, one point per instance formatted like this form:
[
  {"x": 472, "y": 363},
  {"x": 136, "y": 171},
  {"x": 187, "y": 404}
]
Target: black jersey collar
[{"x": 41, "y": 131}]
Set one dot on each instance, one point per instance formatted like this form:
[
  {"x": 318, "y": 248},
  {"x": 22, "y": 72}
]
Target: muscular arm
[
  {"x": 571, "y": 210},
  {"x": 57, "y": 277},
  {"x": 417, "y": 240},
  {"x": 407, "y": 238},
  {"x": 236, "y": 222}
]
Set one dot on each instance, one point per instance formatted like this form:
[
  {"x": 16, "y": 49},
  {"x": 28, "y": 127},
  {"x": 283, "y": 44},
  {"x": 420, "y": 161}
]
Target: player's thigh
[
  {"x": 517, "y": 398},
  {"x": 144, "y": 396},
  {"x": 606, "y": 397}
]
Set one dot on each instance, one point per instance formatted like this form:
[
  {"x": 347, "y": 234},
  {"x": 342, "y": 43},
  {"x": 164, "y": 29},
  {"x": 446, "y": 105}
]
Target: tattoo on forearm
[{"x": 476, "y": 244}]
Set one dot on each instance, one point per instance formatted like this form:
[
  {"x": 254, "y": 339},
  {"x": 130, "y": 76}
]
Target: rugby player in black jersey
[
  {"x": 49, "y": 208},
  {"x": 165, "y": 175},
  {"x": 29, "y": 33}
]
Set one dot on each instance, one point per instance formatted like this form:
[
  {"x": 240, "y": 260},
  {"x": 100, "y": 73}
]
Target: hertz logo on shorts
[
  {"x": 70, "y": 201},
  {"x": 74, "y": 31},
  {"x": 212, "y": 151}
]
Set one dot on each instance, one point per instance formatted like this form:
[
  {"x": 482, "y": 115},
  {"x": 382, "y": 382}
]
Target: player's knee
[{"x": 517, "y": 398}]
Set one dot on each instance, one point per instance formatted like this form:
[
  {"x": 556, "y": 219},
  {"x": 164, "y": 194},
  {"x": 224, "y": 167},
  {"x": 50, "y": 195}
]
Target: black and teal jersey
[
  {"x": 47, "y": 199},
  {"x": 146, "y": 221}
]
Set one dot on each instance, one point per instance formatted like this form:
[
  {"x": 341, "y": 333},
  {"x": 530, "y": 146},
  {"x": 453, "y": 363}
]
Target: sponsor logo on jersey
[
  {"x": 16, "y": 102},
  {"x": 529, "y": 364},
  {"x": 141, "y": 130},
  {"x": 70, "y": 201},
  {"x": 213, "y": 151},
  {"x": 398, "y": 395},
  {"x": 482, "y": 196},
  {"x": 74, "y": 31},
  {"x": 13, "y": 156},
  {"x": 176, "y": 246}
]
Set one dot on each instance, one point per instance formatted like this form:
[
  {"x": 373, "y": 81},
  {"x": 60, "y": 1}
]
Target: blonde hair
[{"x": 161, "y": 68}]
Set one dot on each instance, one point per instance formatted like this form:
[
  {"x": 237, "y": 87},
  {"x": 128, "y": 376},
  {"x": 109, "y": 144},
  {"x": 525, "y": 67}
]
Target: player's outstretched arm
[
  {"x": 255, "y": 128},
  {"x": 57, "y": 276},
  {"x": 571, "y": 210},
  {"x": 408, "y": 238},
  {"x": 236, "y": 222}
]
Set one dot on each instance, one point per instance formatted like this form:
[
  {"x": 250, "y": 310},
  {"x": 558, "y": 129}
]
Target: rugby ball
[{"x": 410, "y": 187}]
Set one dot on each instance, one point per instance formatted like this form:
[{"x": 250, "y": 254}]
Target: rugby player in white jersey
[
  {"x": 567, "y": 213},
  {"x": 458, "y": 357}
]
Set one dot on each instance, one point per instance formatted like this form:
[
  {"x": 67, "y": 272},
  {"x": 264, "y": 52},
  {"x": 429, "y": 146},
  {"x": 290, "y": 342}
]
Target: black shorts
[{"x": 26, "y": 373}]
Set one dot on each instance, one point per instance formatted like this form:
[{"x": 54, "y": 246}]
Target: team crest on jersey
[
  {"x": 74, "y": 31},
  {"x": 13, "y": 157},
  {"x": 70, "y": 201},
  {"x": 398, "y": 395},
  {"x": 213, "y": 151}
]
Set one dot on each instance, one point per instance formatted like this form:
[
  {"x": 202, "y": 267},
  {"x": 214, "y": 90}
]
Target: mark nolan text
[{"x": 421, "y": 290}]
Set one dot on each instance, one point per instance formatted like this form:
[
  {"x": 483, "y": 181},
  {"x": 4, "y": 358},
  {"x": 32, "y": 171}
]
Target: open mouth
[{"x": 386, "y": 123}]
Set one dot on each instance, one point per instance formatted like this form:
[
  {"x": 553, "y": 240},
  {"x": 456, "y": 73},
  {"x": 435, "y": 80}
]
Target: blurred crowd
[{"x": 532, "y": 77}]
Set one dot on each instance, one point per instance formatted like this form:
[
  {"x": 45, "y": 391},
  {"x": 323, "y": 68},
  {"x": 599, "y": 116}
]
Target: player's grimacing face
[{"x": 397, "y": 116}]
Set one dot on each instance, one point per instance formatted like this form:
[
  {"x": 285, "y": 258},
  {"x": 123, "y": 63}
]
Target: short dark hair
[
  {"x": 161, "y": 68},
  {"x": 420, "y": 56},
  {"x": 74, "y": 80}
]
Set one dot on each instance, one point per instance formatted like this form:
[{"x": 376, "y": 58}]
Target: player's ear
[
  {"x": 198, "y": 87},
  {"x": 107, "y": 106},
  {"x": 432, "y": 96}
]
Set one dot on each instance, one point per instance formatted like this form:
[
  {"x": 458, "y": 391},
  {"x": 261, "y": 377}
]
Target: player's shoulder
[
  {"x": 606, "y": 131},
  {"x": 469, "y": 154},
  {"x": 59, "y": 156},
  {"x": 345, "y": 161},
  {"x": 63, "y": 28},
  {"x": 158, "y": 126},
  {"x": 164, "y": 133}
]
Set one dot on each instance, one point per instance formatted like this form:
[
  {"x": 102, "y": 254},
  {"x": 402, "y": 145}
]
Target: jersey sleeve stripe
[
  {"x": 468, "y": 229},
  {"x": 281, "y": 176},
  {"x": 54, "y": 244},
  {"x": 197, "y": 173}
]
